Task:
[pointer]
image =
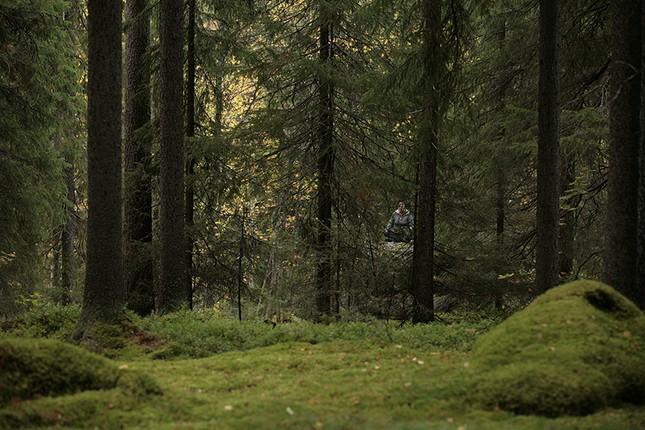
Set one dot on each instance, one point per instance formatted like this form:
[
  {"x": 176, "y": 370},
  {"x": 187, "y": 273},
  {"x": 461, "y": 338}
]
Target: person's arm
[{"x": 390, "y": 223}]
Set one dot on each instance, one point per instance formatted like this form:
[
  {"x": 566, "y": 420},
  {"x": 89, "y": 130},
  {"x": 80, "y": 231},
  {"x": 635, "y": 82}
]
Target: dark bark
[
  {"x": 172, "y": 277},
  {"x": 55, "y": 272},
  {"x": 640, "y": 294},
  {"x": 500, "y": 176},
  {"x": 423, "y": 258},
  {"x": 104, "y": 295},
  {"x": 240, "y": 260},
  {"x": 68, "y": 257},
  {"x": 137, "y": 144},
  {"x": 190, "y": 165},
  {"x": 568, "y": 216},
  {"x": 500, "y": 173},
  {"x": 326, "y": 159},
  {"x": 219, "y": 102},
  {"x": 548, "y": 163},
  {"x": 620, "y": 269}
]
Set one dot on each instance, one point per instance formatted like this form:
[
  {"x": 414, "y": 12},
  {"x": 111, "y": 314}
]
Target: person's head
[{"x": 401, "y": 206}]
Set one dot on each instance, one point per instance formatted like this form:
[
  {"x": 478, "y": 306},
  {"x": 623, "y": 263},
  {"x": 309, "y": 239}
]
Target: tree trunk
[
  {"x": 640, "y": 296},
  {"x": 104, "y": 295},
  {"x": 423, "y": 258},
  {"x": 138, "y": 191},
  {"x": 548, "y": 163},
  {"x": 190, "y": 165},
  {"x": 172, "y": 277},
  {"x": 568, "y": 224},
  {"x": 68, "y": 235},
  {"x": 326, "y": 159},
  {"x": 620, "y": 269},
  {"x": 240, "y": 261},
  {"x": 500, "y": 173}
]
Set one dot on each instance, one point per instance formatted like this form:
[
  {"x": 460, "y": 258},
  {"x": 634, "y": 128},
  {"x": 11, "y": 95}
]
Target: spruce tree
[
  {"x": 138, "y": 190},
  {"x": 548, "y": 163},
  {"x": 621, "y": 257},
  {"x": 423, "y": 259},
  {"x": 104, "y": 294},
  {"x": 190, "y": 132},
  {"x": 326, "y": 159},
  {"x": 172, "y": 277}
]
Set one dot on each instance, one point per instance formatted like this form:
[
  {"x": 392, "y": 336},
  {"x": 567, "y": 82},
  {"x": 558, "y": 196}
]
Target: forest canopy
[{"x": 305, "y": 124}]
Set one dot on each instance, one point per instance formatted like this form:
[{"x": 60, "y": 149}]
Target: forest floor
[
  {"x": 333, "y": 385},
  {"x": 351, "y": 384}
]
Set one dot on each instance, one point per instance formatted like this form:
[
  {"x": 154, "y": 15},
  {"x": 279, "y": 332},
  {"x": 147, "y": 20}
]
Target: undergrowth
[
  {"x": 455, "y": 373},
  {"x": 195, "y": 334},
  {"x": 200, "y": 334}
]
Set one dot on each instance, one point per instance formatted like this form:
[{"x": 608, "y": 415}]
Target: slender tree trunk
[
  {"x": 620, "y": 270},
  {"x": 172, "y": 278},
  {"x": 500, "y": 173},
  {"x": 104, "y": 295},
  {"x": 190, "y": 165},
  {"x": 548, "y": 164},
  {"x": 326, "y": 159},
  {"x": 68, "y": 258},
  {"x": 55, "y": 272},
  {"x": 219, "y": 102},
  {"x": 423, "y": 258},
  {"x": 138, "y": 188},
  {"x": 240, "y": 260},
  {"x": 568, "y": 224}
]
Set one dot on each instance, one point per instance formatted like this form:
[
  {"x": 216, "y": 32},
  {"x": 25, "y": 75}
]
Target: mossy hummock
[
  {"x": 574, "y": 350},
  {"x": 31, "y": 368}
]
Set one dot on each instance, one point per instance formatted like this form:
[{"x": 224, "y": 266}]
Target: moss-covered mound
[
  {"x": 574, "y": 350},
  {"x": 38, "y": 367}
]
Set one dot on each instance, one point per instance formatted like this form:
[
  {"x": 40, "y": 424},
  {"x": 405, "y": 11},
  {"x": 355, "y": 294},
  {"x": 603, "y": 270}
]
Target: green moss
[
  {"x": 329, "y": 385},
  {"x": 42, "y": 367},
  {"x": 32, "y": 368},
  {"x": 574, "y": 350},
  {"x": 137, "y": 383}
]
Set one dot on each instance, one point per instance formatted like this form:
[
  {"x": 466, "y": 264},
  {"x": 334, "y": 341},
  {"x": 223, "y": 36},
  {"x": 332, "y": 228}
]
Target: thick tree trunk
[
  {"x": 172, "y": 278},
  {"x": 326, "y": 159},
  {"x": 620, "y": 270},
  {"x": 190, "y": 165},
  {"x": 640, "y": 296},
  {"x": 138, "y": 191},
  {"x": 548, "y": 164},
  {"x": 68, "y": 258},
  {"x": 423, "y": 258},
  {"x": 104, "y": 295}
]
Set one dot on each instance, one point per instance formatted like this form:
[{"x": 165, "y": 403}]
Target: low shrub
[
  {"x": 200, "y": 334},
  {"x": 44, "y": 319}
]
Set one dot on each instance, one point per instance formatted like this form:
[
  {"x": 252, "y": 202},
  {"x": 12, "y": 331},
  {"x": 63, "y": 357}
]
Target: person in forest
[{"x": 400, "y": 226}]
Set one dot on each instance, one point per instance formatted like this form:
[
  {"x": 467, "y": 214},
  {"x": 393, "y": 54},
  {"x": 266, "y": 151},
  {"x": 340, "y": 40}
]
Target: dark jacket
[{"x": 400, "y": 221}]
